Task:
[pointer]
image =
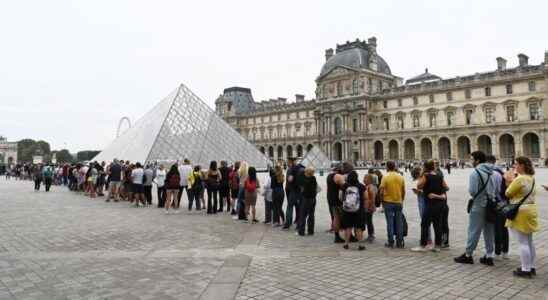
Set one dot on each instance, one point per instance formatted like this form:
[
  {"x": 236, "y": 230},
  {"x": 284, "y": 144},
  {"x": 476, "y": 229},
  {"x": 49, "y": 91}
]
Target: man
[
  {"x": 115, "y": 180},
  {"x": 224, "y": 190},
  {"x": 482, "y": 188},
  {"x": 137, "y": 176},
  {"x": 184, "y": 171},
  {"x": 334, "y": 203},
  {"x": 392, "y": 189},
  {"x": 147, "y": 184},
  {"x": 48, "y": 177},
  {"x": 501, "y": 232},
  {"x": 293, "y": 192}
]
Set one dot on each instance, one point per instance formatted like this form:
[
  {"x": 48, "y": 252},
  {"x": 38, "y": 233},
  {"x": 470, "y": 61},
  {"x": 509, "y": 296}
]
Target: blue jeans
[
  {"x": 422, "y": 211},
  {"x": 241, "y": 204},
  {"x": 477, "y": 225},
  {"x": 292, "y": 201},
  {"x": 394, "y": 221}
]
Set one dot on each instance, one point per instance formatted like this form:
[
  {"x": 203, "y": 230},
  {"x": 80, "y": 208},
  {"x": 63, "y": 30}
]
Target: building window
[
  {"x": 354, "y": 125},
  {"x": 339, "y": 89},
  {"x": 467, "y": 94},
  {"x": 489, "y": 115},
  {"x": 450, "y": 118},
  {"x": 324, "y": 91},
  {"x": 307, "y": 114},
  {"x": 468, "y": 117},
  {"x": 415, "y": 100},
  {"x": 400, "y": 122},
  {"x": 369, "y": 85},
  {"x": 370, "y": 123},
  {"x": 370, "y": 104},
  {"x": 534, "y": 111},
  {"x": 355, "y": 87},
  {"x": 379, "y": 86},
  {"x": 449, "y": 96},
  {"x": 338, "y": 126},
  {"x": 432, "y": 119},
  {"x": 386, "y": 122},
  {"x": 324, "y": 127},
  {"x": 416, "y": 121},
  {"x": 385, "y": 104},
  {"x": 509, "y": 89},
  {"x": 510, "y": 113},
  {"x": 532, "y": 86},
  {"x": 431, "y": 98},
  {"x": 399, "y": 102},
  {"x": 488, "y": 91}
]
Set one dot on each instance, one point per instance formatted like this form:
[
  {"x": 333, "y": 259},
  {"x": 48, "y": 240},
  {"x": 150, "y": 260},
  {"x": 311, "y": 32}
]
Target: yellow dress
[{"x": 526, "y": 220}]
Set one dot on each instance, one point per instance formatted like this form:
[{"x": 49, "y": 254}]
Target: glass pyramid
[
  {"x": 316, "y": 159},
  {"x": 182, "y": 126}
]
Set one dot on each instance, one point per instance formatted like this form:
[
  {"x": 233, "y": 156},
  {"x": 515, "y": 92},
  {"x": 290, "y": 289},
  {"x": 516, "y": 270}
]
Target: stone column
[
  {"x": 518, "y": 149},
  {"x": 473, "y": 143},
  {"x": 494, "y": 145},
  {"x": 418, "y": 152},
  {"x": 385, "y": 153},
  {"x": 435, "y": 150}
]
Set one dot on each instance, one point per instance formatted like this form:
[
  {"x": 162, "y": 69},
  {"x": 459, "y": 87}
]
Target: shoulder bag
[{"x": 510, "y": 211}]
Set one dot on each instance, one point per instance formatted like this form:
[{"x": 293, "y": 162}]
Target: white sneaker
[
  {"x": 505, "y": 256},
  {"x": 167, "y": 212},
  {"x": 419, "y": 249},
  {"x": 429, "y": 247}
]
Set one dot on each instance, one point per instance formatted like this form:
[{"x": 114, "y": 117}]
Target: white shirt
[
  {"x": 160, "y": 177},
  {"x": 184, "y": 172},
  {"x": 137, "y": 176}
]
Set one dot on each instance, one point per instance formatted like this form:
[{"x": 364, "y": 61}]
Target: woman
[
  {"x": 195, "y": 182},
  {"x": 242, "y": 177},
  {"x": 224, "y": 189},
  {"x": 354, "y": 195},
  {"x": 308, "y": 202},
  {"x": 250, "y": 197},
  {"x": 234, "y": 185},
  {"x": 371, "y": 190},
  {"x": 213, "y": 182},
  {"x": 160, "y": 180},
  {"x": 522, "y": 189},
  {"x": 173, "y": 179},
  {"x": 433, "y": 188},
  {"x": 267, "y": 195},
  {"x": 277, "y": 183}
]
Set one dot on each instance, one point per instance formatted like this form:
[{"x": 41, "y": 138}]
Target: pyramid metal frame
[
  {"x": 317, "y": 159},
  {"x": 182, "y": 126}
]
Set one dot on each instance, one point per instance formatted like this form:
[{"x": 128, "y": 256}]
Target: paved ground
[{"x": 60, "y": 245}]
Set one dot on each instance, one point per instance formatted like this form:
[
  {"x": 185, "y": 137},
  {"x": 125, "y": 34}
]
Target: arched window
[
  {"x": 355, "y": 87},
  {"x": 324, "y": 91},
  {"x": 338, "y": 125}
]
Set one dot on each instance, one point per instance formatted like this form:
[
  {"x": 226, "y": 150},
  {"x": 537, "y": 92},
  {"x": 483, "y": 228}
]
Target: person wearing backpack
[
  {"x": 173, "y": 179},
  {"x": 213, "y": 183},
  {"x": 251, "y": 186},
  {"x": 195, "y": 182},
  {"x": 501, "y": 232},
  {"x": 354, "y": 200},
  {"x": 482, "y": 188},
  {"x": 392, "y": 189},
  {"x": 308, "y": 202},
  {"x": 234, "y": 186},
  {"x": 48, "y": 177}
]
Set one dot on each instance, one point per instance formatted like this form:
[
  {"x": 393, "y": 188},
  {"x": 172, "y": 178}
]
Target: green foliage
[
  {"x": 86, "y": 155},
  {"x": 64, "y": 156},
  {"x": 27, "y": 148}
]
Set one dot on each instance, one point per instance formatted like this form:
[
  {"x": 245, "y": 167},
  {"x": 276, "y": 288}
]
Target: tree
[
  {"x": 63, "y": 156},
  {"x": 27, "y": 148},
  {"x": 86, "y": 155}
]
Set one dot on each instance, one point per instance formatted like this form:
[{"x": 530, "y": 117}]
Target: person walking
[
  {"x": 354, "y": 199},
  {"x": 48, "y": 177},
  {"x": 213, "y": 182},
  {"x": 160, "y": 180},
  {"x": 224, "y": 189},
  {"x": 308, "y": 203},
  {"x": 173, "y": 181},
  {"x": 522, "y": 190},
  {"x": 147, "y": 184},
  {"x": 184, "y": 171},
  {"x": 37, "y": 176},
  {"x": 482, "y": 188},
  {"x": 392, "y": 189},
  {"x": 251, "y": 185},
  {"x": 277, "y": 184}
]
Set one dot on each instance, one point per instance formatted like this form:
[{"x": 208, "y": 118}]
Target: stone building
[
  {"x": 363, "y": 112},
  {"x": 8, "y": 151}
]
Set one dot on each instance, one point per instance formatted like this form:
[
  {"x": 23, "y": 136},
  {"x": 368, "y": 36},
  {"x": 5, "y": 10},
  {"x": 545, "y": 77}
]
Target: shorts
[
  {"x": 115, "y": 184},
  {"x": 353, "y": 220},
  {"x": 138, "y": 188},
  {"x": 250, "y": 198}
]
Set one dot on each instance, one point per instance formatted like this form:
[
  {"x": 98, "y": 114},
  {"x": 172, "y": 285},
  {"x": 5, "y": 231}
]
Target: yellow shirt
[
  {"x": 393, "y": 186},
  {"x": 526, "y": 220}
]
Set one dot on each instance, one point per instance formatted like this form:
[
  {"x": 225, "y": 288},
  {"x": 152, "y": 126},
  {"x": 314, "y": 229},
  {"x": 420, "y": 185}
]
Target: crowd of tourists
[{"x": 500, "y": 200}]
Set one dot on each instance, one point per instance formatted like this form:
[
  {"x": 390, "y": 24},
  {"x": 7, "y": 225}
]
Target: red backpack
[{"x": 250, "y": 186}]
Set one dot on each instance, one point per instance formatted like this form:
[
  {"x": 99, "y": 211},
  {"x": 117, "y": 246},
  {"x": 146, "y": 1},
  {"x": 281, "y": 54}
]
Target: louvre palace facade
[{"x": 363, "y": 112}]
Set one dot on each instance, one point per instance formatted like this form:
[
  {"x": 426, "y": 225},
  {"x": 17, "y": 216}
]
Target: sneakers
[
  {"x": 389, "y": 245},
  {"x": 533, "y": 271},
  {"x": 370, "y": 239},
  {"x": 488, "y": 261},
  {"x": 361, "y": 248},
  {"x": 419, "y": 249},
  {"x": 522, "y": 274},
  {"x": 345, "y": 246},
  {"x": 464, "y": 259},
  {"x": 400, "y": 244}
]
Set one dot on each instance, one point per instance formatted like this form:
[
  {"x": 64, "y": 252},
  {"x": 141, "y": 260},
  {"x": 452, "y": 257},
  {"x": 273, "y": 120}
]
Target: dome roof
[
  {"x": 424, "y": 77},
  {"x": 354, "y": 57}
]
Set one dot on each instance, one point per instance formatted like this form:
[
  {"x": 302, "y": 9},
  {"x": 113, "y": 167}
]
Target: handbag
[
  {"x": 484, "y": 185},
  {"x": 510, "y": 211}
]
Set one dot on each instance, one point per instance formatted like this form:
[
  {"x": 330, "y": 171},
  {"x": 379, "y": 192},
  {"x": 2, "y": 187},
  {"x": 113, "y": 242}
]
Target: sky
[{"x": 69, "y": 70}]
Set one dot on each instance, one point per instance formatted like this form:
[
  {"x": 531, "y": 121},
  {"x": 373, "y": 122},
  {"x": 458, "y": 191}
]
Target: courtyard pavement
[{"x": 62, "y": 245}]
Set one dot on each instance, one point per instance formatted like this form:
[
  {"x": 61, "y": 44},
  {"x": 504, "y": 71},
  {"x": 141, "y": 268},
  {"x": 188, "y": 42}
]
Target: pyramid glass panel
[
  {"x": 316, "y": 159},
  {"x": 188, "y": 129}
]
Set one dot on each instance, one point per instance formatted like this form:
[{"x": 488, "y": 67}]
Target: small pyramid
[
  {"x": 316, "y": 159},
  {"x": 182, "y": 126}
]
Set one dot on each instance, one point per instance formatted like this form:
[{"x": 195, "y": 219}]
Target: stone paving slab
[{"x": 62, "y": 245}]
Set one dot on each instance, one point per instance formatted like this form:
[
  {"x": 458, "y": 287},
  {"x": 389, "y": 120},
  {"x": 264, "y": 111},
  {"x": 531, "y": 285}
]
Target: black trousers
[
  {"x": 445, "y": 224},
  {"x": 37, "y": 184},
  {"x": 161, "y": 196},
  {"x": 369, "y": 224},
  {"x": 195, "y": 195},
  {"x": 224, "y": 198},
  {"x": 277, "y": 206},
  {"x": 47, "y": 182},
  {"x": 268, "y": 211},
  {"x": 148, "y": 194},
  {"x": 306, "y": 217},
  {"x": 501, "y": 235},
  {"x": 180, "y": 194},
  {"x": 433, "y": 215},
  {"x": 212, "y": 201}
]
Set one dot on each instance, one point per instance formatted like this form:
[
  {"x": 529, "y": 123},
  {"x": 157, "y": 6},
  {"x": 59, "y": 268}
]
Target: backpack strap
[
  {"x": 528, "y": 194},
  {"x": 483, "y": 184}
]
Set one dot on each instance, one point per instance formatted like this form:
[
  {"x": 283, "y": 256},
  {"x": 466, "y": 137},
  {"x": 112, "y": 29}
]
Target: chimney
[
  {"x": 299, "y": 98},
  {"x": 372, "y": 42},
  {"x": 501, "y": 63},
  {"x": 282, "y": 100},
  {"x": 523, "y": 60},
  {"x": 328, "y": 54},
  {"x": 372, "y": 49}
]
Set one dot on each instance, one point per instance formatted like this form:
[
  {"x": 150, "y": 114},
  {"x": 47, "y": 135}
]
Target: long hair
[
  {"x": 527, "y": 164},
  {"x": 252, "y": 174},
  {"x": 213, "y": 166},
  {"x": 352, "y": 178},
  {"x": 279, "y": 173},
  {"x": 242, "y": 171},
  {"x": 173, "y": 170}
]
